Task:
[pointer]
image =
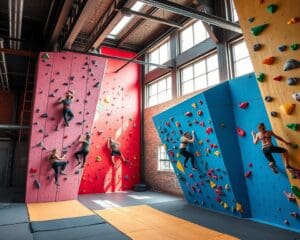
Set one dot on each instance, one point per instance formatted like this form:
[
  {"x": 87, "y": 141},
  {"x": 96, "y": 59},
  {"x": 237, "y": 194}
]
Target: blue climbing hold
[
  {"x": 282, "y": 48},
  {"x": 291, "y": 64}
]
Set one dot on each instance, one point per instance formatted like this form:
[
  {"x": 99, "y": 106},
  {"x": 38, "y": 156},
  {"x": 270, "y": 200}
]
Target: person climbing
[
  {"x": 184, "y": 141},
  {"x": 67, "y": 112},
  {"x": 267, "y": 147},
  {"x": 115, "y": 151},
  {"x": 58, "y": 164},
  {"x": 86, "y": 141}
]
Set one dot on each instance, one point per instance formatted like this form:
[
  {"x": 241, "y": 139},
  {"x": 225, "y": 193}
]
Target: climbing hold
[
  {"x": 250, "y": 20},
  {"x": 177, "y": 124},
  {"x": 194, "y": 105},
  {"x": 296, "y": 96},
  {"x": 52, "y": 95},
  {"x": 227, "y": 187},
  {"x": 274, "y": 114},
  {"x": 199, "y": 113},
  {"x": 248, "y": 174},
  {"x": 44, "y": 115},
  {"x": 191, "y": 175},
  {"x": 171, "y": 153},
  {"x": 106, "y": 100},
  {"x": 200, "y": 142},
  {"x": 269, "y": 60},
  {"x": 286, "y": 222},
  {"x": 40, "y": 130},
  {"x": 261, "y": 2},
  {"x": 98, "y": 159},
  {"x": 268, "y": 98},
  {"x": 32, "y": 171},
  {"x": 291, "y": 64},
  {"x": 257, "y": 47},
  {"x": 239, "y": 208},
  {"x": 293, "y": 126},
  {"x": 218, "y": 199},
  {"x": 294, "y": 214},
  {"x": 65, "y": 84},
  {"x": 278, "y": 78},
  {"x": 225, "y": 205},
  {"x": 260, "y": 77},
  {"x": 97, "y": 85},
  {"x": 293, "y": 20},
  {"x": 209, "y": 130},
  {"x": 217, "y": 153},
  {"x": 294, "y": 146},
  {"x": 188, "y": 114},
  {"x": 179, "y": 166},
  {"x": 257, "y": 30},
  {"x": 290, "y": 196},
  {"x": 212, "y": 184},
  {"x": 198, "y": 154},
  {"x": 45, "y": 56},
  {"x": 282, "y": 48},
  {"x": 288, "y": 108},
  {"x": 272, "y": 8},
  {"x": 37, "y": 184},
  {"x": 77, "y": 172},
  {"x": 292, "y": 81},
  {"x": 294, "y": 46},
  {"x": 240, "y": 132},
  {"x": 296, "y": 191},
  {"x": 244, "y": 105}
]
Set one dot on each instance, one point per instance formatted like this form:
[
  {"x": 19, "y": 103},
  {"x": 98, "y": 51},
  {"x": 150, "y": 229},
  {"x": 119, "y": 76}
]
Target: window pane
[
  {"x": 187, "y": 73},
  {"x": 169, "y": 83},
  {"x": 200, "y": 82},
  {"x": 234, "y": 16},
  {"x": 200, "y": 33},
  {"x": 240, "y": 51},
  {"x": 213, "y": 78},
  {"x": 152, "y": 89},
  {"x": 164, "y": 53},
  {"x": 162, "y": 85},
  {"x": 186, "y": 38},
  {"x": 187, "y": 87},
  {"x": 152, "y": 101},
  {"x": 212, "y": 62},
  {"x": 243, "y": 66},
  {"x": 199, "y": 68}
]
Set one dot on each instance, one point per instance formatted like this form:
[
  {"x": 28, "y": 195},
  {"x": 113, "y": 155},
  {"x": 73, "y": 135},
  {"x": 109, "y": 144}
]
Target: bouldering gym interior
[{"x": 143, "y": 119}]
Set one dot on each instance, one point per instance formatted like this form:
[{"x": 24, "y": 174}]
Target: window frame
[
  {"x": 160, "y": 160},
  {"x": 157, "y": 47}
]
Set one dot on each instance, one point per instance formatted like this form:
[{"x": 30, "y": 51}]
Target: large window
[
  {"x": 159, "y": 91},
  {"x": 234, "y": 16},
  {"x": 159, "y": 55},
  {"x": 241, "y": 60},
  {"x": 200, "y": 74},
  {"x": 163, "y": 163},
  {"x": 192, "y": 35}
]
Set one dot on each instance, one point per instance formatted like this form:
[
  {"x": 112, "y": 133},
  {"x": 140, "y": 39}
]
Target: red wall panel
[
  {"x": 118, "y": 116},
  {"x": 55, "y": 76}
]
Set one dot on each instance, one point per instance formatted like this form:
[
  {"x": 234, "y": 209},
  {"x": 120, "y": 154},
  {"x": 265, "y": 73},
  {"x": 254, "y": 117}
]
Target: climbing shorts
[
  {"x": 272, "y": 149},
  {"x": 115, "y": 153}
]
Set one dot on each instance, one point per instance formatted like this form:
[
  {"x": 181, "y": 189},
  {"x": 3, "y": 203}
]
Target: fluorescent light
[{"x": 125, "y": 20}]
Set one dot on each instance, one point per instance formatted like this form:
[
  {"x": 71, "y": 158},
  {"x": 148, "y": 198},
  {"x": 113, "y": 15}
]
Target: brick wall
[{"x": 162, "y": 181}]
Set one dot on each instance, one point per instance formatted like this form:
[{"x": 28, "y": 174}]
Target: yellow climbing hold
[
  {"x": 98, "y": 159},
  {"x": 288, "y": 108},
  {"x": 194, "y": 105},
  {"x": 106, "y": 100},
  {"x": 212, "y": 184},
  {"x": 225, "y": 205},
  {"x": 200, "y": 142},
  {"x": 239, "y": 208},
  {"x": 217, "y": 153},
  {"x": 198, "y": 154},
  {"x": 179, "y": 166}
]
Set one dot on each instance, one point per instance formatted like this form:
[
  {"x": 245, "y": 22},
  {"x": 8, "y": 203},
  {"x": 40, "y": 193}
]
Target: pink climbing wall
[
  {"x": 118, "y": 116},
  {"x": 55, "y": 75}
]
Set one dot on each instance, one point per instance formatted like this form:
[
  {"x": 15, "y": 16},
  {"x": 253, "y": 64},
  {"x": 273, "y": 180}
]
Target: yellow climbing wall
[{"x": 278, "y": 32}]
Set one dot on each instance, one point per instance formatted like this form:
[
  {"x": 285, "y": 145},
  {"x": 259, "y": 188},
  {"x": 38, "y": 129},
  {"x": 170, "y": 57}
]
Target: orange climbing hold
[
  {"x": 293, "y": 20},
  {"x": 288, "y": 108},
  {"x": 239, "y": 208},
  {"x": 269, "y": 60}
]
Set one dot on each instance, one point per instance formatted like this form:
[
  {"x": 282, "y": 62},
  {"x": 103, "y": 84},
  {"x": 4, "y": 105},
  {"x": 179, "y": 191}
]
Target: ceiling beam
[
  {"x": 127, "y": 11},
  {"x": 75, "y": 23},
  {"x": 19, "y": 52},
  {"x": 135, "y": 26},
  {"x": 193, "y": 13}
]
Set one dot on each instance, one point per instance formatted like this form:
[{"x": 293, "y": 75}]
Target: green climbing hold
[
  {"x": 294, "y": 46},
  {"x": 45, "y": 56},
  {"x": 293, "y": 126},
  {"x": 260, "y": 77},
  {"x": 258, "y": 29},
  {"x": 296, "y": 191},
  {"x": 272, "y": 8}
]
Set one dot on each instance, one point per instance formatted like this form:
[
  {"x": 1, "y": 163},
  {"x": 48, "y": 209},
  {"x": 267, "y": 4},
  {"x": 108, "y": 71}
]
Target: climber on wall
[
  {"x": 267, "y": 147},
  {"x": 115, "y": 151},
  {"x": 86, "y": 142},
  {"x": 184, "y": 141},
  {"x": 67, "y": 112},
  {"x": 58, "y": 164}
]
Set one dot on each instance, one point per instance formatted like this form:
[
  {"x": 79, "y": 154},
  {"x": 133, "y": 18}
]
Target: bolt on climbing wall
[
  {"x": 117, "y": 116},
  {"x": 58, "y": 73},
  {"x": 271, "y": 30},
  {"x": 233, "y": 175}
]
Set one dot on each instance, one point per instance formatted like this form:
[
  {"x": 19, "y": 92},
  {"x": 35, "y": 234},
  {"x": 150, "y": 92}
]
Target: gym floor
[{"x": 15, "y": 224}]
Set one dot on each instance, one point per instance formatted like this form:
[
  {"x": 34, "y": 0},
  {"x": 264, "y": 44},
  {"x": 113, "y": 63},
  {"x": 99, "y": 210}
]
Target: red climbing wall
[
  {"x": 56, "y": 74},
  {"x": 118, "y": 115}
]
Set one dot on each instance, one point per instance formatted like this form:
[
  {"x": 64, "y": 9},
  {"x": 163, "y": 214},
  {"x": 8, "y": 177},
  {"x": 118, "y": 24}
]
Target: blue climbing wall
[{"x": 224, "y": 157}]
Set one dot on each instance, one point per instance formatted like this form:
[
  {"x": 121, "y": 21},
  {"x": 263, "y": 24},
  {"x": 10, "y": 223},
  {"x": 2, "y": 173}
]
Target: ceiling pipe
[
  {"x": 20, "y": 19},
  {"x": 3, "y": 69},
  {"x": 15, "y": 12}
]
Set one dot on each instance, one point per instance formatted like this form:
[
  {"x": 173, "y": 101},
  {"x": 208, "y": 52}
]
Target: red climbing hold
[
  {"x": 218, "y": 199},
  {"x": 277, "y": 78},
  {"x": 191, "y": 175},
  {"x": 209, "y": 130},
  {"x": 32, "y": 170},
  {"x": 248, "y": 174},
  {"x": 188, "y": 114},
  {"x": 171, "y": 153},
  {"x": 240, "y": 132},
  {"x": 244, "y": 105}
]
